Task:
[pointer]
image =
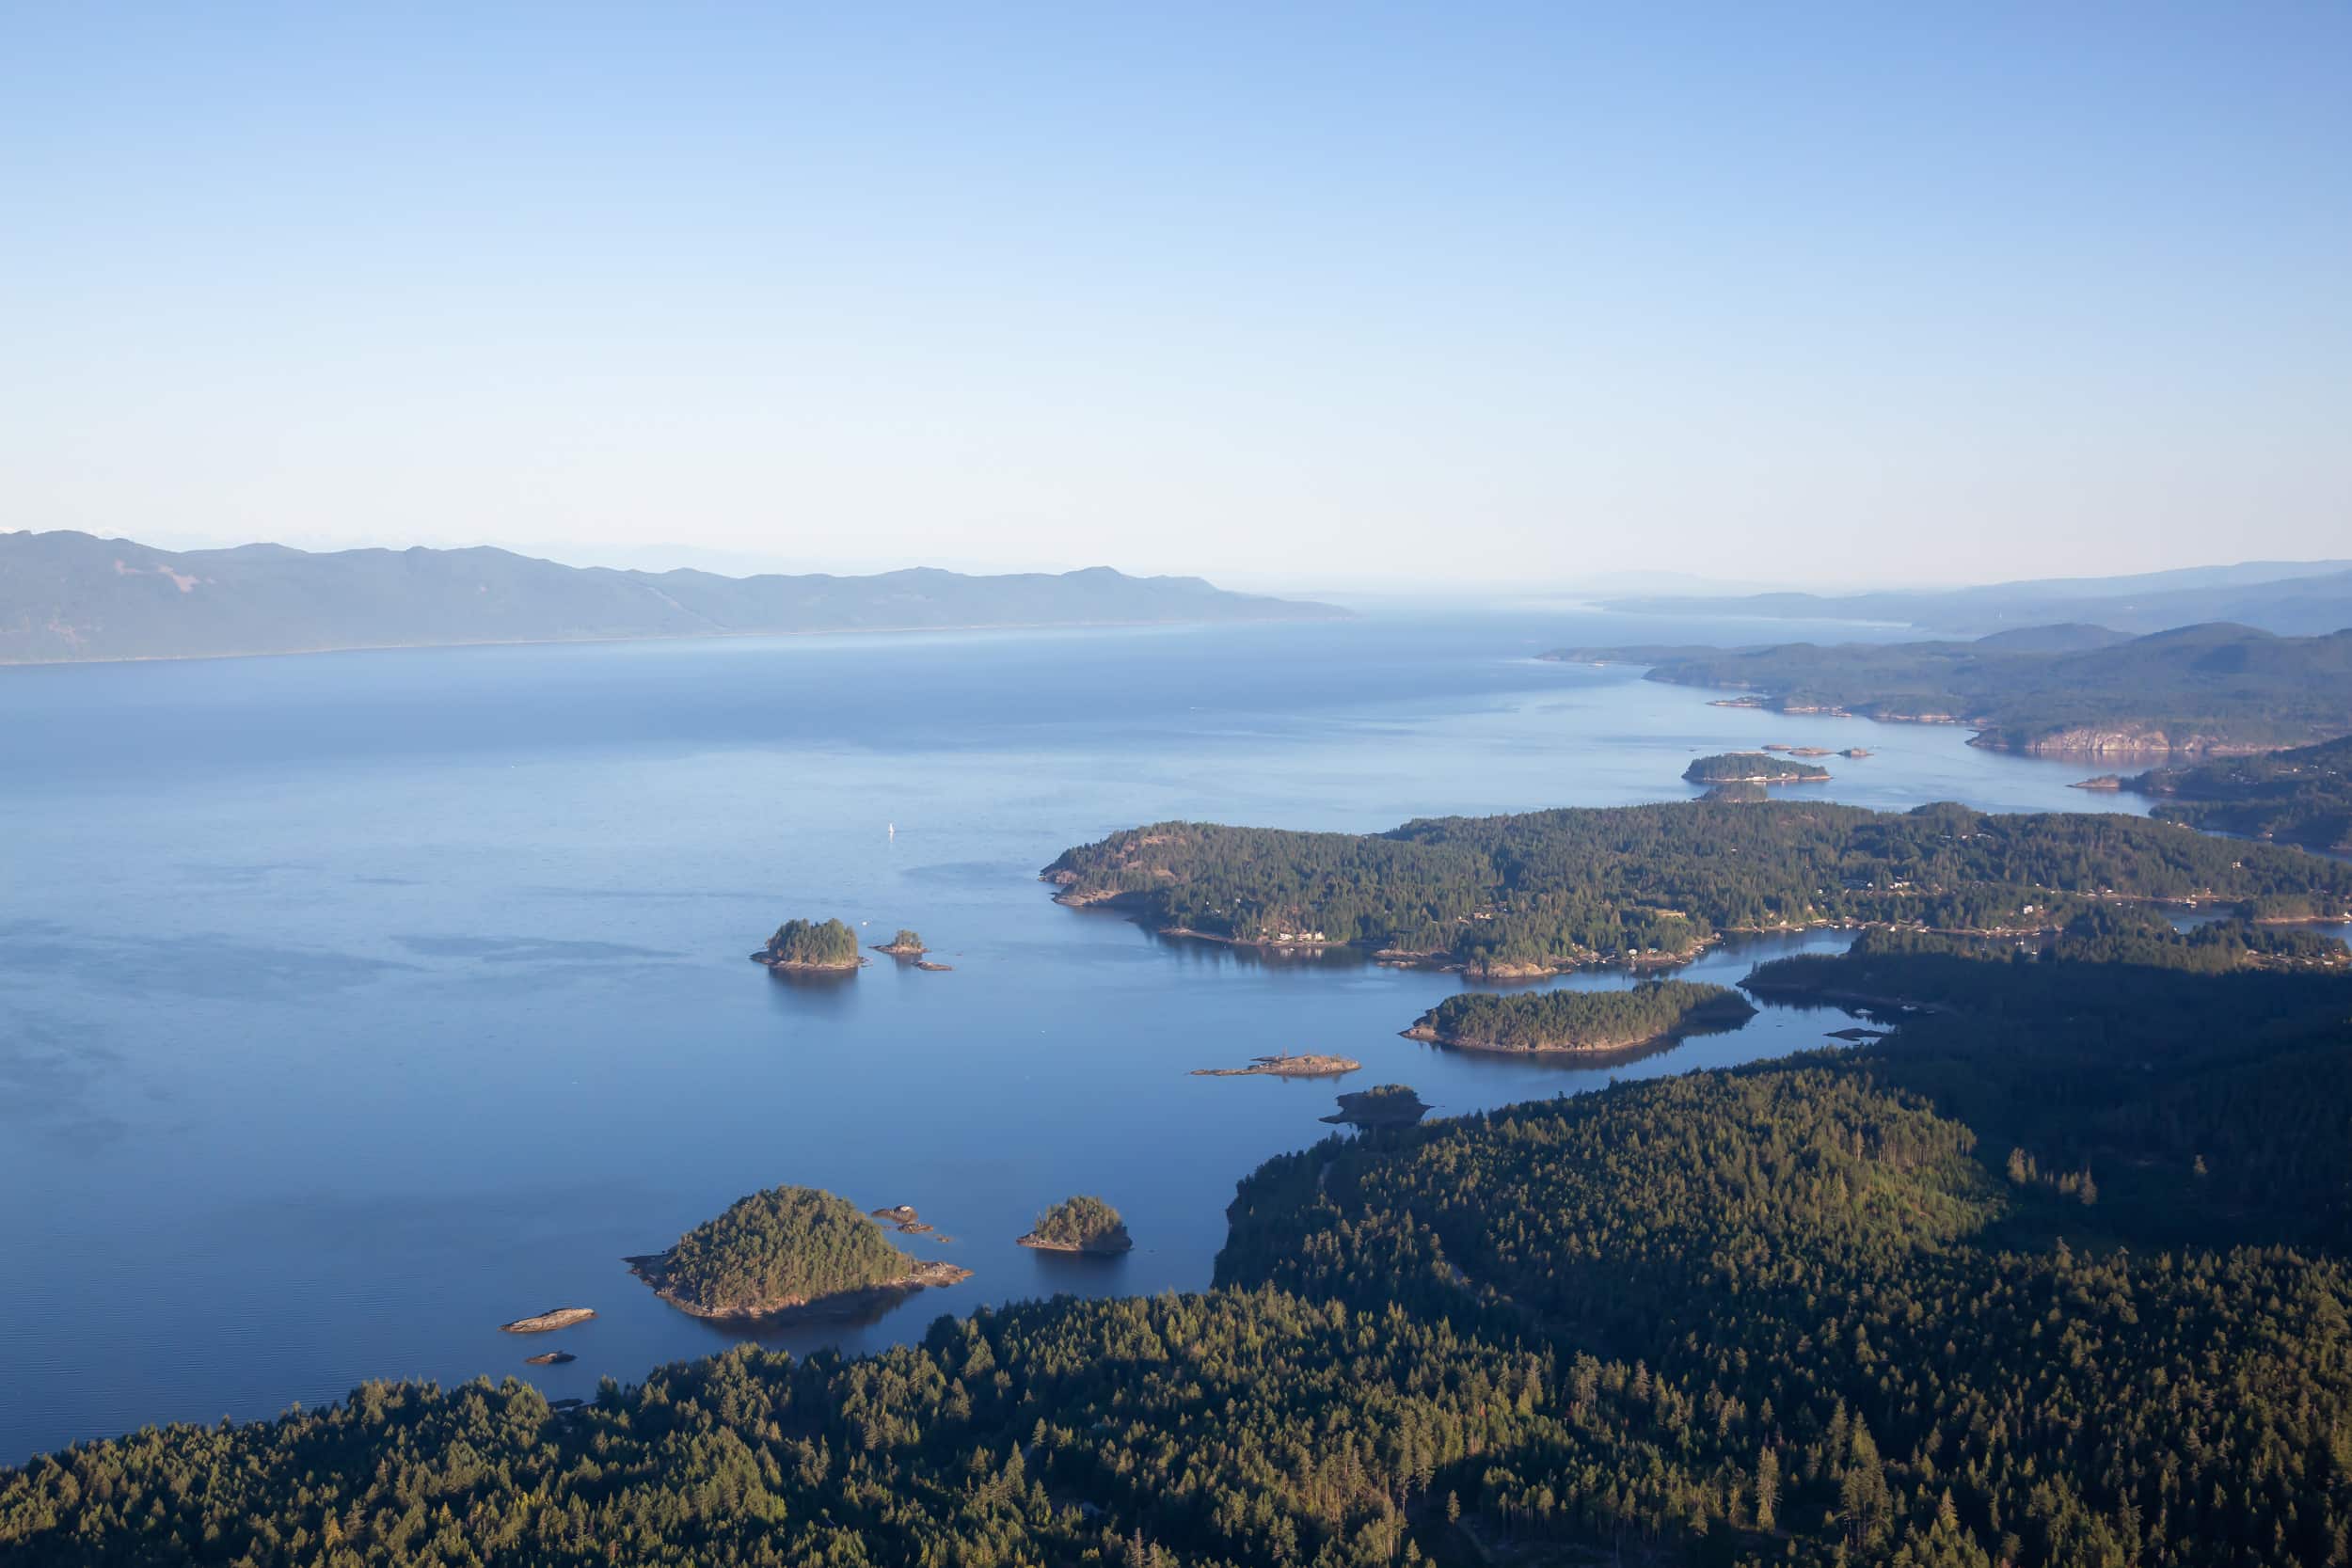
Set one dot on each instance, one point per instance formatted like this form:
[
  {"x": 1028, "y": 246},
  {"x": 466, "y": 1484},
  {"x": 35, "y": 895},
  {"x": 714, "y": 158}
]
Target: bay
[{"x": 354, "y": 1004}]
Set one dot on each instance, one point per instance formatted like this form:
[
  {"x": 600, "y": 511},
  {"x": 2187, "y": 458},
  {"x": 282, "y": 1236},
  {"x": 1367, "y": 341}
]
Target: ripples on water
[{"x": 354, "y": 1004}]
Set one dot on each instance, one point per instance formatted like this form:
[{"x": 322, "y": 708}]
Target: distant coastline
[
  {"x": 71, "y": 597},
  {"x": 12, "y": 662}
]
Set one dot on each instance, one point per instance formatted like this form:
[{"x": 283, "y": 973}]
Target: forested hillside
[
  {"x": 1848, "y": 1289},
  {"x": 1551, "y": 889},
  {"x": 2193, "y": 690}
]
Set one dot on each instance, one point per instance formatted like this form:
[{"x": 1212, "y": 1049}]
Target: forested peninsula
[
  {"x": 2302, "y": 796},
  {"x": 1545, "y": 891},
  {"x": 2213, "y": 689},
  {"x": 1579, "y": 1020},
  {"x": 788, "y": 1250}
]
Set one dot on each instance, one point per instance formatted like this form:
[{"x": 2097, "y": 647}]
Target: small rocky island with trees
[
  {"x": 1753, "y": 767},
  {"x": 811, "y": 946},
  {"x": 1080, "y": 1223},
  {"x": 1581, "y": 1020},
  {"x": 788, "y": 1251},
  {"x": 1383, "y": 1105}
]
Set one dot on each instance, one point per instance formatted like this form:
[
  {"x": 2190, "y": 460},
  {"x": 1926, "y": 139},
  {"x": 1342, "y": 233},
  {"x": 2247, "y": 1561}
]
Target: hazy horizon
[
  {"x": 1513, "y": 296},
  {"x": 648, "y": 556}
]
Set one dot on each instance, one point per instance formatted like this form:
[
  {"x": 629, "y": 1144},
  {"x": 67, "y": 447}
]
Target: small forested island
[
  {"x": 1753, "y": 767},
  {"x": 1581, "y": 1020},
  {"x": 793, "y": 1250},
  {"x": 2302, "y": 796},
  {"x": 906, "y": 945},
  {"x": 1287, "y": 1065},
  {"x": 809, "y": 944},
  {"x": 1383, "y": 1105},
  {"x": 1080, "y": 1223},
  {"x": 2213, "y": 690},
  {"x": 1542, "y": 892}
]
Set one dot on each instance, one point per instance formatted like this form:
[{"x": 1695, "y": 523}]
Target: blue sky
[{"x": 1304, "y": 294}]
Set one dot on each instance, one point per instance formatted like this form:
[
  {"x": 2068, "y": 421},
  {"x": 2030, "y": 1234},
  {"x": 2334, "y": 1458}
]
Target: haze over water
[{"x": 353, "y": 1004}]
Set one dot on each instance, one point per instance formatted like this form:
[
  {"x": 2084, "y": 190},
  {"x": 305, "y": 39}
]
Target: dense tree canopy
[
  {"x": 829, "y": 944},
  {"x": 1753, "y": 767}
]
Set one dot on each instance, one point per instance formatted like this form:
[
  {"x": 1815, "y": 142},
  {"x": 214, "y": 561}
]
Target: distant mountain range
[
  {"x": 2298, "y": 598},
  {"x": 2064, "y": 690},
  {"x": 67, "y": 596}
]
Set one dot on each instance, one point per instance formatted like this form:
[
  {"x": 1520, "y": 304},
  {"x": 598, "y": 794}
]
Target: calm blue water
[{"x": 351, "y": 1005}]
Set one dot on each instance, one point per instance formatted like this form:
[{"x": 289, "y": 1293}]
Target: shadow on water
[
  {"x": 799, "y": 995},
  {"x": 1077, "y": 1273}
]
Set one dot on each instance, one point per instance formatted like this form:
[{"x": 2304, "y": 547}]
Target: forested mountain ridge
[
  {"x": 1549, "y": 890},
  {"x": 67, "y": 596},
  {"x": 2192, "y": 690}
]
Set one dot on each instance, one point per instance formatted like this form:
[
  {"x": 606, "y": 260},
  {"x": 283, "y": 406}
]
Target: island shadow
[{"x": 1078, "y": 1273}]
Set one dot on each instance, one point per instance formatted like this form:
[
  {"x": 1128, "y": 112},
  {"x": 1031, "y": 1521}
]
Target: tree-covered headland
[
  {"x": 1551, "y": 890},
  {"x": 2302, "y": 796}
]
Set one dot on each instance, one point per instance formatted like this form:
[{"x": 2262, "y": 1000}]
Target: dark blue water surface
[{"x": 353, "y": 1004}]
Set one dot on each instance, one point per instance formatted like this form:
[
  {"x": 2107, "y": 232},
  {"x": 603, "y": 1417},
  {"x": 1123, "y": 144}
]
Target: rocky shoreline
[
  {"x": 1099, "y": 1247},
  {"x": 797, "y": 966},
  {"x": 548, "y": 1321},
  {"x": 1720, "y": 1014}
]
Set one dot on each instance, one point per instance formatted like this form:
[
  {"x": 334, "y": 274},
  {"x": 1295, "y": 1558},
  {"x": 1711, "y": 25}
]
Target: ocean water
[{"x": 351, "y": 1005}]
